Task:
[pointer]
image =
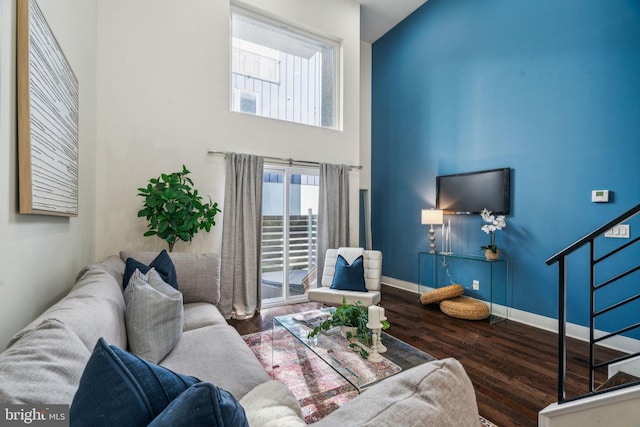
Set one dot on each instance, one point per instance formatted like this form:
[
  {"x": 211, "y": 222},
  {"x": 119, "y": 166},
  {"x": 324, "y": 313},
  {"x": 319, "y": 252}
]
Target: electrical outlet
[{"x": 476, "y": 285}]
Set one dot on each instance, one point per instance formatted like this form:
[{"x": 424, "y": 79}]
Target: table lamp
[{"x": 432, "y": 217}]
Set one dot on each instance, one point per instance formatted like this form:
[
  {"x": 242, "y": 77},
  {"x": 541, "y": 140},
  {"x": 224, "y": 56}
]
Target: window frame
[
  {"x": 336, "y": 91},
  {"x": 237, "y": 101},
  {"x": 287, "y": 172}
]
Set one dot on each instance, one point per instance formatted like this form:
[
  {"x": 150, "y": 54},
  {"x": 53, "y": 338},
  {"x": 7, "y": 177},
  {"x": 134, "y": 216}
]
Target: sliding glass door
[{"x": 289, "y": 233}]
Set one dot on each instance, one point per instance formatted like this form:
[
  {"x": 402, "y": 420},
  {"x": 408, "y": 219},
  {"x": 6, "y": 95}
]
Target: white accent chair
[{"x": 372, "y": 274}]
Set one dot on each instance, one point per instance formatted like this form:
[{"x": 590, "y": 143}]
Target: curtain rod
[{"x": 290, "y": 162}]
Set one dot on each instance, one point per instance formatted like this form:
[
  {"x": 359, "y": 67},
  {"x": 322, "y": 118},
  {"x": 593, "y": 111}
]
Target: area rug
[{"x": 318, "y": 388}]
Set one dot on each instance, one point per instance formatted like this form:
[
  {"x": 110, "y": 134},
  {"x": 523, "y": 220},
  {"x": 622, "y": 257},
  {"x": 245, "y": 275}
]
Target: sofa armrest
[
  {"x": 198, "y": 274},
  {"x": 437, "y": 393}
]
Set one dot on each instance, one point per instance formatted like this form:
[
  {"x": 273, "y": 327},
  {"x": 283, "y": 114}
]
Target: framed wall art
[{"x": 47, "y": 119}]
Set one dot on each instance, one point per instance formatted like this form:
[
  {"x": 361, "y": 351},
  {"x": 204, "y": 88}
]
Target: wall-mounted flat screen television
[{"x": 469, "y": 193}]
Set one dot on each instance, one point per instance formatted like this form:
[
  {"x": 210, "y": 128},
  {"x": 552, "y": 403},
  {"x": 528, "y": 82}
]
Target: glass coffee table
[{"x": 290, "y": 344}]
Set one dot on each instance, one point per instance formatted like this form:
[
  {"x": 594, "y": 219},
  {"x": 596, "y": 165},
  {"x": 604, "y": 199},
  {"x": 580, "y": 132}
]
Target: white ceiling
[{"x": 379, "y": 16}]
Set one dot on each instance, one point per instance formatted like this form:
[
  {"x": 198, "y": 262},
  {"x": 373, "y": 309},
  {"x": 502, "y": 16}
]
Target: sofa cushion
[
  {"x": 46, "y": 358},
  {"x": 332, "y": 296},
  {"x": 111, "y": 264},
  {"x": 437, "y": 393},
  {"x": 162, "y": 263},
  {"x": 198, "y": 274},
  {"x": 154, "y": 315},
  {"x": 198, "y": 350},
  {"x": 202, "y": 404},
  {"x": 120, "y": 389},
  {"x": 349, "y": 277},
  {"x": 199, "y": 314},
  {"x": 272, "y": 404},
  {"x": 96, "y": 296}
]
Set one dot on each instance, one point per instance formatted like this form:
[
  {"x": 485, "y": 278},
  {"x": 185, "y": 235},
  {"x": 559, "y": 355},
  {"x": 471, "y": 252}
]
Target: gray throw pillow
[
  {"x": 437, "y": 393},
  {"x": 154, "y": 315}
]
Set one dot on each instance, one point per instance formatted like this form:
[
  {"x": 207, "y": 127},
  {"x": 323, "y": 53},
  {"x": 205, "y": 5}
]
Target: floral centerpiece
[{"x": 493, "y": 224}]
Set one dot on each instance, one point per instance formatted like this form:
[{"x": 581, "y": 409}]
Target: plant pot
[
  {"x": 345, "y": 329},
  {"x": 490, "y": 255}
]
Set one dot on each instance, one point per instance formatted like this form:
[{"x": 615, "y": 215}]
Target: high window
[{"x": 282, "y": 72}]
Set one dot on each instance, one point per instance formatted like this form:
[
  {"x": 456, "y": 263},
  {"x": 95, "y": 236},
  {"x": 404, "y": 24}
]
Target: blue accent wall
[{"x": 548, "y": 88}]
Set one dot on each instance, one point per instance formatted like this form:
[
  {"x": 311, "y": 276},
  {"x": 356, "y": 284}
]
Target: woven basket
[
  {"x": 441, "y": 294},
  {"x": 465, "y": 308}
]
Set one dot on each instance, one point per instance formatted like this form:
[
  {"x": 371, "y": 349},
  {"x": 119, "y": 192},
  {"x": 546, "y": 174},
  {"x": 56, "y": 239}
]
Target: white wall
[
  {"x": 365, "y": 125},
  {"x": 365, "y": 116},
  {"x": 40, "y": 255},
  {"x": 154, "y": 94},
  {"x": 163, "y": 100}
]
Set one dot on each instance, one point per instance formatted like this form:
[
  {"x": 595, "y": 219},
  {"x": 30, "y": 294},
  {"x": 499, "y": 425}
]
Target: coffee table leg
[{"x": 277, "y": 333}]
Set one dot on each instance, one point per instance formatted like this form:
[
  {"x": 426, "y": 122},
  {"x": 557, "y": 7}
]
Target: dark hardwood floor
[{"x": 513, "y": 366}]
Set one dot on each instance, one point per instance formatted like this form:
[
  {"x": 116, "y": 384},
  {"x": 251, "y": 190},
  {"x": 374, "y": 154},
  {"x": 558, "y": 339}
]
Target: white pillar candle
[
  {"x": 382, "y": 317},
  {"x": 448, "y": 238},
  {"x": 374, "y": 315}
]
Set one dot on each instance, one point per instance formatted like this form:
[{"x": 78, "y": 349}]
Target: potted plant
[
  {"x": 493, "y": 224},
  {"x": 174, "y": 208},
  {"x": 350, "y": 315}
]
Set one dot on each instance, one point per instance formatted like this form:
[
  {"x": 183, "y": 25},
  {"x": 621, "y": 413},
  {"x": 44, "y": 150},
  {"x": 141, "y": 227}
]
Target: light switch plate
[{"x": 620, "y": 231}]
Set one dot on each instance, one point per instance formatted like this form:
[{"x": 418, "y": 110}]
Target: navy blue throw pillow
[
  {"x": 118, "y": 388},
  {"x": 203, "y": 405},
  {"x": 349, "y": 277},
  {"x": 162, "y": 263}
]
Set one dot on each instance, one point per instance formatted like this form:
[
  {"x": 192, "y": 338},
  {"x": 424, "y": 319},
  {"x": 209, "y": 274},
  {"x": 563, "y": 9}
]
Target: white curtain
[
  {"x": 240, "y": 272},
  {"x": 333, "y": 210}
]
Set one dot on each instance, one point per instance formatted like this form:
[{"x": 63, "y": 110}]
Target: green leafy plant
[
  {"x": 353, "y": 315},
  {"x": 174, "y": 208}
]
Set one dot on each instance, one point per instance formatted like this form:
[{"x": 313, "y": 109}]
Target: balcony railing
[{"x": 302, "y": 246}]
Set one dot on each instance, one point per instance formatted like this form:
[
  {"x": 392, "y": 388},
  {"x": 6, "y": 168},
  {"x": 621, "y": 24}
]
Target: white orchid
[{"x": 493, "y": 224}]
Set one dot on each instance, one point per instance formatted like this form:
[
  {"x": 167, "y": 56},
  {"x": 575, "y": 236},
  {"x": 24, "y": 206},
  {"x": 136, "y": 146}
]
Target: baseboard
[
  {"x": 624, "y": 344},
  {"x": 400, "y": 284}
]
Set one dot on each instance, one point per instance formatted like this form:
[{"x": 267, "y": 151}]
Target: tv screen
[{"x": 469, "y": 193}]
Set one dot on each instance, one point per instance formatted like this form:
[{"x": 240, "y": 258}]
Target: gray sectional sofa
[{"x": 44, "y": 362}]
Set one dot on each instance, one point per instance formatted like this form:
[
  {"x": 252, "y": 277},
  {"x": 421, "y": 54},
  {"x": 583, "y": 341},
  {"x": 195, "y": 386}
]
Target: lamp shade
[{"x": 432, "y": 216}]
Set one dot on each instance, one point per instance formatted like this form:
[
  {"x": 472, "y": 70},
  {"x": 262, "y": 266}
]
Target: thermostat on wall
[{"x": 600, "y": 196}]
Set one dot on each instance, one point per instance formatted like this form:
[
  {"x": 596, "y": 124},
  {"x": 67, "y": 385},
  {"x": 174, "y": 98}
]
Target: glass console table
[{"x": 439, "y": 269}]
